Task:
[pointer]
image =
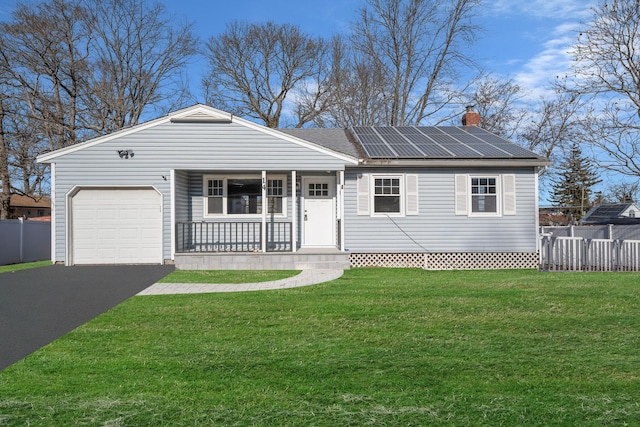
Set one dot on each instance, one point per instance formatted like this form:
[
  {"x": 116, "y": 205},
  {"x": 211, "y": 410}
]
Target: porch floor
[{"x": 303, "y": 259}]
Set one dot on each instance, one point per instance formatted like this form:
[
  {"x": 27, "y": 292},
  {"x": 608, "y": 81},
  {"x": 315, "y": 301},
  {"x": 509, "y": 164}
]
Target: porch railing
[{"x": 236, "y": 236}]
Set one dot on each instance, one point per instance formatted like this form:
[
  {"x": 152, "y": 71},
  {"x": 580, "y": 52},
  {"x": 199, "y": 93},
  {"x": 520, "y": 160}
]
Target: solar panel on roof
[
  {"x": 405, "y": 130},
  {"x": 383, "y": 130},
  {"x": 373, "y": 145},
  {"x": 436, "y": 142},
  {"x": 430, "y": 147},
  {"x": 433, "y": 150},
  {"x": 501, "y": 143}
]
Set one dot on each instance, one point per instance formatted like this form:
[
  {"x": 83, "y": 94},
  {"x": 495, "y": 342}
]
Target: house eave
[{"x": 455, "y": 163}]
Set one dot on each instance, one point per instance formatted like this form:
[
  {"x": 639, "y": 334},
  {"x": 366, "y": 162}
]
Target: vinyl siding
[
  {"x": 202, "y": 147},
  {"x": 437, "y": 228}
]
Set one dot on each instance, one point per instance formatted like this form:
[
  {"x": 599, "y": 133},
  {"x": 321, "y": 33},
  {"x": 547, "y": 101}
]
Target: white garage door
[{"x": 116, "y": 226}]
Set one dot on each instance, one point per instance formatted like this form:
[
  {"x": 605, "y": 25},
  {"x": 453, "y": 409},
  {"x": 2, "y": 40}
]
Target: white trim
[
  {"x": 225, "y": 178},
  {"x": 340, "y": 199},
  {"x": 402, "y": 195},
  {"x": 172, "y": 194},
  {"x": 265, "y": 208},
  {"x": 536, "y": 215},
  {"x": 294, "y": 212},
  {"x": 53, "y": 212},
  {"x": 69, "y": 208},
  {"x": 183, "y": 114},
  {"x": 498, "y": 195}
]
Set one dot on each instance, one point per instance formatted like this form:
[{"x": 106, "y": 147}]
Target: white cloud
[
  {"x": 552, "y": 61},
  {"x": 558, "y": 9}
]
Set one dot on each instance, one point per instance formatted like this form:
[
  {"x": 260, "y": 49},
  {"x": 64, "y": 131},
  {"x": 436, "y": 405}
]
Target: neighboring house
[
  {"x": 613, "y": 213},
  {"x": 29, "y": 207},
  {"x": 204, "y": 189},
  {"x": 553, "y": 217}
]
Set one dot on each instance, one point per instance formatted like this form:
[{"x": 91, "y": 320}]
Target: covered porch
[{"x": 258, "y": 220}]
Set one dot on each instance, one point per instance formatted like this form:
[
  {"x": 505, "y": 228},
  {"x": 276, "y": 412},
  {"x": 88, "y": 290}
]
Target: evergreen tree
[{"x": 572, "y": 189}]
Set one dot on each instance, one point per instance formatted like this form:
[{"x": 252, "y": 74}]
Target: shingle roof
[
  {"x": 20, "y": 201},
  {"x": 416, "y": 143},
  {"x": 333, "y": 139}
]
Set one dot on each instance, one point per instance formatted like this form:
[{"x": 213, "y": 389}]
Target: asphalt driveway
[{"x": 41, "y": 304}]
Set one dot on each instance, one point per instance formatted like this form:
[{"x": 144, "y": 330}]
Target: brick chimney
[{"x": 470, "y": 118}]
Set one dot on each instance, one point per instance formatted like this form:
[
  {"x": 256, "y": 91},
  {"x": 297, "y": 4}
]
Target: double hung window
[
  {"x": 386, "y": 195},
  {"x": 484, "y": 195}
]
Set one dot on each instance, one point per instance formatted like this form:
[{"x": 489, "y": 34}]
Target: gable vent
[{"x": 201, "y": 118}]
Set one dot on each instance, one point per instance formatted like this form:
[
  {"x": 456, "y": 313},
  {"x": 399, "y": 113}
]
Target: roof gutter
[{"x": 454, "y": 162}]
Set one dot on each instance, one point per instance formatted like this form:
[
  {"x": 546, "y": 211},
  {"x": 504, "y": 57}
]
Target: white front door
[{"x": 319, "y": 212}]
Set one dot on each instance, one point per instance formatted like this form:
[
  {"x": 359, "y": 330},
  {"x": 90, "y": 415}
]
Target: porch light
[{"x": 125, "y": 154}]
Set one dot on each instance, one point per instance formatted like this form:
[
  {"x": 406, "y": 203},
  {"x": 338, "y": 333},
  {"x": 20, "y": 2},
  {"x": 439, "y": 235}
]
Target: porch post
[
  {"x": 265, "y": 208},
  {"x": 172, "y": 192},
  {"x": 341, "y": 207},
  {"x": 294, "y": 213}
]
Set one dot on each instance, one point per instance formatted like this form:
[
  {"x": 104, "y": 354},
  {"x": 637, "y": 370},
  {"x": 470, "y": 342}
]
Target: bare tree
[
  {"x": 256, "y": 70},
  {"x": 137, "y": 52},
  {"x": 357, "y": 91},
  {"x": 552, "y": 128},
  {"x": 5, "y": 180},
  {"x": 607, "y": 70},
  {"x": 44, "y": 50},
  {"x": 417, "y": 47},
  {"x": 497, "y": 102},
  {"x": 624, "y": 192},
  {"x": 74, "y": 69}
]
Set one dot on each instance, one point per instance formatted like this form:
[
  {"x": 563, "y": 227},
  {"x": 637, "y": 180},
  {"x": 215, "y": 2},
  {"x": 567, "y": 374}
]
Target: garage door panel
[{"x": 117, "y": 226}]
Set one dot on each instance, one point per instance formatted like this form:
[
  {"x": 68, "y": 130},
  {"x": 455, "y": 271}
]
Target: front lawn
[
  {"x": 379, "y": 347},
  {"x": 226, "y": 276},
  {"x": 15, "y": 267}
]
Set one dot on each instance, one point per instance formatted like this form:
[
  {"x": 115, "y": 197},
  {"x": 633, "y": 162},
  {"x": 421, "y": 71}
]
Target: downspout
[
  {"x": 53, "y": 212},
  {"x": 341, "y": 207},
  {"x": 172, "y": 192},
  {"x": 265, "y": 208}
]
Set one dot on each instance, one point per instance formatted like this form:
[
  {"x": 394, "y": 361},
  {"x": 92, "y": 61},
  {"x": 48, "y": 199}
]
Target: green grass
[
  {"x": 227, "y": 276},
  {"x": 377, "y": 347},
  {"x": 24, "y": 266}
]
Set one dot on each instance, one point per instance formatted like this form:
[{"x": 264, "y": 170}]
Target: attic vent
[{"x": 201, "y": 118}]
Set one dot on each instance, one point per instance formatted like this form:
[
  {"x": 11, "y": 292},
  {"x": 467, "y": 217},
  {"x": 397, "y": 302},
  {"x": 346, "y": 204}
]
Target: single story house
[
  {"x": 609, "y": 213},
  {"x": 204, "y": 189}
]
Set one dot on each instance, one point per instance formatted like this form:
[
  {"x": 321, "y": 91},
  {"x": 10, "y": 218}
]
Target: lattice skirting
[
  {"x": 448, "y": 261},
  {"x": 399, "y": 260}
]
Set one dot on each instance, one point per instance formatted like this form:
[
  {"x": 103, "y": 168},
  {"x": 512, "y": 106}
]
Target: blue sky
[{"x": 526, "y": 40}]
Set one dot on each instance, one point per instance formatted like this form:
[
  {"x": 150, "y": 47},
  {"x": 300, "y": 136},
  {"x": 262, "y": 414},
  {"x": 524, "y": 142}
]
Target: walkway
[{"x": 305, "y": 278}]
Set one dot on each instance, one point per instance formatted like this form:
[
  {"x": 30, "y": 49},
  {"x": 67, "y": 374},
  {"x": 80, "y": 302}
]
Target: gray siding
[
  {"x": 211, "y": 147},
  {"x": 437, "y": 228},
  {"x": 182, "y": 202}
]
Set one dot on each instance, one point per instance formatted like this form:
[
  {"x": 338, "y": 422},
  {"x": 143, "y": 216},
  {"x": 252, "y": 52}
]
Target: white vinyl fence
[
  {"x": 24, "y": 241},
  {"x": 582, "y": 254}
]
